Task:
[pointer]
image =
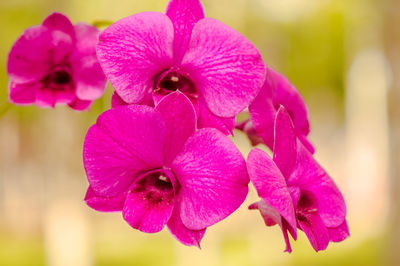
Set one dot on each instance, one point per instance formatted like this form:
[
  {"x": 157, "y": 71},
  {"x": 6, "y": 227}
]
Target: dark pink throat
[
  {"x": 306, "y": 206},
  {"x": 156, "y": 186},
  {"x": 173, "y": 80},
  {"x": 59, "y": 78}
]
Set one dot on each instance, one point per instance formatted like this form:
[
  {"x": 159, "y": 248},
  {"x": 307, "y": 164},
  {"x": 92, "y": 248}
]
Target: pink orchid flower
[
  {"x": 295, "y": 191},
  {"x": 56, "y": 63},
  {"x": 154, "y": 166},
  {"x": 277, "y": 90},
  {"x": 154, "y": 54}
]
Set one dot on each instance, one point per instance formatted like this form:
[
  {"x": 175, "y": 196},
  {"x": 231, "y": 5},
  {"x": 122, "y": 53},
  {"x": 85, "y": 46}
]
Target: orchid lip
[
  {"x": 58, "y": 79},
  {"x": 172, "y": 80},
  {"x": 156, "y": 186},
  {"x": 307, "y": 205}
]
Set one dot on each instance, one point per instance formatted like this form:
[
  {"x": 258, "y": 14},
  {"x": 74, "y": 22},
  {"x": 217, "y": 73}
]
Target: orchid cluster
[{"x": 161, "y": 155}]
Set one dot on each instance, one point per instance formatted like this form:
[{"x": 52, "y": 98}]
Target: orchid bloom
[
  {"x": 295, "y": 191},
  {"x": 56, "y": 63},
  {"x": 277, "y": 90},
  {"x": 154, "y": 166},
  {"x": 151, "y": 54}
]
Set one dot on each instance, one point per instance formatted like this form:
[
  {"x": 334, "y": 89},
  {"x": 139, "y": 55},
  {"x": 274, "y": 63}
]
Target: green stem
[
  {"x": 102, "y": 23},
  {"x": 4, "y": 108}
]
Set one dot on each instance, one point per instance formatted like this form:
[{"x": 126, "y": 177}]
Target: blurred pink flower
[
  {"x": 153, "y": 54},
  {"x": 56, "y": 63},
  {"x": 295, "y": 191},
  {"x": 153, "y": 165},
  {"x": 277, "y": 90}
]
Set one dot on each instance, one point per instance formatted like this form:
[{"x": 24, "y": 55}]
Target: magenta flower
[
  {"x": 295, "y": 191},
  {"x": 153, "y": 165},
  {"x": 277, "y": 90},
  {"x": 56, "y": 63},
  {"x": 154, "y": 54}
]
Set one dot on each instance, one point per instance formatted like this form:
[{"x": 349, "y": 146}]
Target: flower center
[
  {"x": 156, "y": 186},
  {"x": 171, "y": 80},
  {"x": 306, "y": 206},
  {"x": 61, "y": 77},
  {"x": 58, "y": 79}
]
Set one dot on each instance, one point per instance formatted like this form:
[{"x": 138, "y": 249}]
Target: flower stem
[
  {"x": 102, "y": 23},
  {"x": 4, "y": 108}
]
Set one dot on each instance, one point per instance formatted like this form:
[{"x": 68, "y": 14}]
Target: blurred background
[{"x": 343, "y": 56}]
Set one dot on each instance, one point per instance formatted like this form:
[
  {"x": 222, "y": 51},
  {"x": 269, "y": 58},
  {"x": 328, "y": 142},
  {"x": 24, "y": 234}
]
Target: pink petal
[
  {"x": 183, "y": 14},
  {"x": 208, "y": 119},
  {"x": 286, "y": 94},
  {"x": 339, "y": 233},
  {"x": 144, "y": 215},
  {"x": 40, "y": 47},
  {"x": 181, "y": 232},
  {"x": 133, "y": 50},
  {"x": 285, "y": 142},
  {"x": 270, "y": 184},
  {"x": 88, "y": 76},
  {"x": 48, "y": 97},
  {"x": 270, "y": 215},
  {"x": 213, "y": 178},
  {"x": 124, "y": 142},
  {"x": 58, "y": 21},
  {"x": 285, "y": 227},
  {"x": 80, "y": 105},
  {"x": 309, "y": 146},
  {"x": 116, "y": 100},
  {"x": 104, "y": 204},
  {"x": 262, "y": 115},
  {"x": 308, "y": 175},
  {"x": 226, "y": 68},
  {"x": 315, "y": 230},
  {"x": 276, "y": 91},
  {"x": 22, "y": 94},
  {"x": 180, "y": 118}
]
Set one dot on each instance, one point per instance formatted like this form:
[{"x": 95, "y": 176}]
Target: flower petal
[
  {"x": 308, "y": 175},
  {"x": 339, "y": 233},
  {"x": 285, "y": 142},
  {"x": 285, "y": 227},
  {"x": 213, "y": 178},
  {"x": 315, "y": 230},
  {"x": 180, "y": 118},
  {"x": 58, "y": 21},
  {"x": 104, "y": 204},
  {"x": 272, "y": 217},
  {"x": 48, "y": 97},
  {"x": 208, "y": 119},
  {"x": 181, "y": 232},
  {"x": 286, "y": 94},
  {"x": 183, "y": 14},
  {"x": 145, "y": 215},
  {"x": 262, "y": 115},
  {"x": 116, "y": 100},
  {"x": 133, "y": 50},
  {"x": 124, "y": 142},
  {"x": 80, "y": 105},
  {"x": 22, "y": 94},
  {"x": 40, "y": 47},
  {"x": 89, "y": 78},
  {"x": 226, "y": 68},
  {"x": 270, "y": 184}
]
